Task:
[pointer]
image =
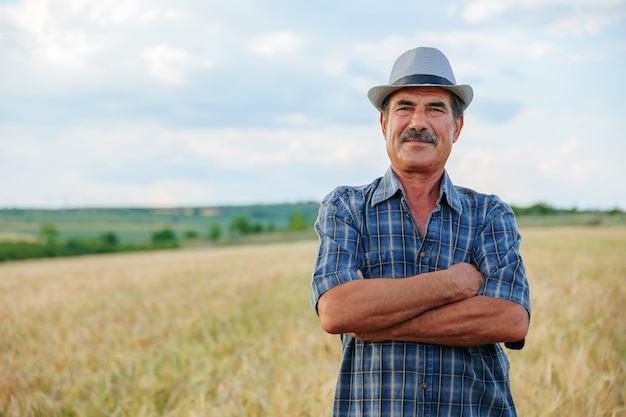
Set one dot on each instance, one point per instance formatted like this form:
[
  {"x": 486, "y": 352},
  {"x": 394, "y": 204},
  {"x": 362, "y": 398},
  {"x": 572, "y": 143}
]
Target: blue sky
[{"x": 202, "y": 102}]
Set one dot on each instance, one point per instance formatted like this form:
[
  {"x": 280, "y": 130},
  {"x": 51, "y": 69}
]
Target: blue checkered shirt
[{"x": 371, "y": 228}]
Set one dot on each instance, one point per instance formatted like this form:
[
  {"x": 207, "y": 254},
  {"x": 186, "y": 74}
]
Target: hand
[{"x": 467, "y": 278}]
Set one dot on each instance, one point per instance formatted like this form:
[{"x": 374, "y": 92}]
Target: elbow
[
  {"x": 330, "y": 326},
  {"x": 330, "y": 316},
  {"x": 517, "y": 329}
]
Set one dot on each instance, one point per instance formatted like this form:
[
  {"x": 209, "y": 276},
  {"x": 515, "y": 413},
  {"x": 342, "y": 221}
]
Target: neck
[
  {"x": 419, "y": 186},
  {"x": 422, "y": 193}
]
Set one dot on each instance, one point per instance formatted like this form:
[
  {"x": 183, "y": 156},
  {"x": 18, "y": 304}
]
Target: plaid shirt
[{"x": 371, "y": 228}]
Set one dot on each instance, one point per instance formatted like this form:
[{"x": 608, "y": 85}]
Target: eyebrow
[
  {"x": 440, "y": 104},
  {"x": 404, "y": 103}
]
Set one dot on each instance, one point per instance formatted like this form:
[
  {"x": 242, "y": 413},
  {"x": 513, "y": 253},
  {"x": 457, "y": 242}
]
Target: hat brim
[{"x": 378, "y": 94}]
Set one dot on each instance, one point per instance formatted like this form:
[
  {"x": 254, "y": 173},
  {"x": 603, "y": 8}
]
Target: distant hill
[{"x": 137, "y": 224}]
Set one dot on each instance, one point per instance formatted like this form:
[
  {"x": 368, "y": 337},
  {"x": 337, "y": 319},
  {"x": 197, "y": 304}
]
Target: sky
[{"x": 136, "y": 103}]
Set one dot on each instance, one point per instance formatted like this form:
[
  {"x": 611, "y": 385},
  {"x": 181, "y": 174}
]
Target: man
[{"x": 426, "y": 344}]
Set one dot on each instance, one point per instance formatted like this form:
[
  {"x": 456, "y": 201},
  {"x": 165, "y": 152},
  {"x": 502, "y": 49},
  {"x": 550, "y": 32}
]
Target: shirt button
[
  {"x": 424, "y": 385},
  {"x": 422, "y": 255}
]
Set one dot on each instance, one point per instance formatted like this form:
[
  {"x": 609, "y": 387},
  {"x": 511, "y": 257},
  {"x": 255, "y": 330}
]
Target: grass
[
  {"x": 229, "y": 332},
  {"x": 575, "y": 359}
]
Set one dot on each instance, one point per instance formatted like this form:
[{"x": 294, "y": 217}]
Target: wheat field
[{"x": 229, "y": 332}]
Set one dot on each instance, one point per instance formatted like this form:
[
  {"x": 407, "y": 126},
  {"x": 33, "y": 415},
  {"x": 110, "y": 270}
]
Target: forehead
[{"x": 417, "y": 94}]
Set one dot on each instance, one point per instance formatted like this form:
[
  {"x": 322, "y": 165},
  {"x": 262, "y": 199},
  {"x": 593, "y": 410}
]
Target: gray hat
[{"x": 421, "y": 67}]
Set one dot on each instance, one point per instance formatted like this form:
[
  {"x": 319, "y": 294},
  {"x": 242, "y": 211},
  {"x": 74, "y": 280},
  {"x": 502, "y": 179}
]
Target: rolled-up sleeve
[
  {"x": 499, "y": 259},
  {"x": 338, "y": 257}
]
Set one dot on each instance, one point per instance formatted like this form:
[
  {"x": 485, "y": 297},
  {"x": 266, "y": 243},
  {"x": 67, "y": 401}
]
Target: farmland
[
  {"x": 228, "y": 331},
  {"x": 136, "y": 224}
]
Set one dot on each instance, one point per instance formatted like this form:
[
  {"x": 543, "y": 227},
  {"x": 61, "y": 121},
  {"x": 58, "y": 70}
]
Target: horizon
[{"x": 167, "y": 208}]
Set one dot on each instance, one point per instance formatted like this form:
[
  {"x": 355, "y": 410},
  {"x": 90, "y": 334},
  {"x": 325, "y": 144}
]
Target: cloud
[
  {"x": 496, "y": 111},
  {"x": 160, "y": 193},
  {"x": 77, "y": 41},
  {"x": 542, "y": 156},
  {"x": 147, "y": 162},
  {"x": 102, "y": 101},
  {"x": 557, "y": 17},
  {"x": 126, "y": 12},
  {"x": 513, "y": 43},
  {"x": 587, "y": 23},
  {"x": 166, "y": 64},
  {"x": 276, "y": 43},
  {"x": 46, "y": 31},
  {"x": 482, "y": 10},
  {"x": 533, "y": 157}
]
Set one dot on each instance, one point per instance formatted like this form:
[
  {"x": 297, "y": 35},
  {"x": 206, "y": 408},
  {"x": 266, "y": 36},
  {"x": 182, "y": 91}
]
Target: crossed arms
[{"x": 438, "y": 307}]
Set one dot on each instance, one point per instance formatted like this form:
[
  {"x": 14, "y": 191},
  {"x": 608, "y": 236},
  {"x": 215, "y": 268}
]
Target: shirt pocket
[{"x": 385, "y": 264}]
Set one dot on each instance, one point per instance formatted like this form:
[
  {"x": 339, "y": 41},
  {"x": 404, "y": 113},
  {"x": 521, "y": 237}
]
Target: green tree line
[{"x": 50, "y": 243}]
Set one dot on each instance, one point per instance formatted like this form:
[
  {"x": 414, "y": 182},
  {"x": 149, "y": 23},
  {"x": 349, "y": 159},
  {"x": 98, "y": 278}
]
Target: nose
[{"x": 418, "y": 119}]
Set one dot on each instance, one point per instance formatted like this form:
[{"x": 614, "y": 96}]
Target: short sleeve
[
  {"x": 498, "y": 257},
  {"x": 338, "y": 258}
]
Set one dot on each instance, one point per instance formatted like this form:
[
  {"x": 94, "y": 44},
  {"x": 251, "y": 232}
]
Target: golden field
[{"x": 229, "y": 332}]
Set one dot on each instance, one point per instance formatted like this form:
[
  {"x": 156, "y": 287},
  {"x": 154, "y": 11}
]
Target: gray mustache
[{"x": 420, "y": 135}]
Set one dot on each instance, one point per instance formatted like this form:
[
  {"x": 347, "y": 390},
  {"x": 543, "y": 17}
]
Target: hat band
[{"x": 422, "y": 79}]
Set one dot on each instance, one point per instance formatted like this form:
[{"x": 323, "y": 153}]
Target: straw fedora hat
[{"x": 421, "y": 67}]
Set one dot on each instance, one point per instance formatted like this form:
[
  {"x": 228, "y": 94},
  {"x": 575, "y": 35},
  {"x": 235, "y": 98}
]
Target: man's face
[{"x": 419, "y": 129}]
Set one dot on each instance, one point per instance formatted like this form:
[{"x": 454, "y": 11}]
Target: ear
[
  {"x": 383, "y": 124},
  {"x": 458, "y": 126}
]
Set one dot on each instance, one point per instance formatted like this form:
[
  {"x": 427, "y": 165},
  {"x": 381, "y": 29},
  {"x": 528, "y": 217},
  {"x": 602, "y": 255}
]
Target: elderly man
[{"x": 421, "y": 278}]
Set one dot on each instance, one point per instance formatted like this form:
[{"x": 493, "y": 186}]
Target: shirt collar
[{"x": 389, "y": 185}]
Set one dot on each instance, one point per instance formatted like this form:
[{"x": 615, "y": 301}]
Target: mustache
[{"x": 420, "y": 135}]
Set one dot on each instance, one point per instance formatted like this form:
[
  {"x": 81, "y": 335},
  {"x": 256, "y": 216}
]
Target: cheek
[{"x": 394, "y": 131}]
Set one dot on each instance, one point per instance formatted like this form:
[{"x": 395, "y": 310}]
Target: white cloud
[
  {"x": 510, "y": 43},
  {"x": 68, "y": 50},
  {"x": 276, "y": 43},
  {"x": 381, "y": 53},
  {"x": 535, "y": 157},
  {"x": 295, "y": 119},
  {"x": 71, "y": 63},
  {"x": 582, "y": 16},
  {"x": 65, "y": 38},
  {"x": 258, "y": 148},
  {"x": 120, "y": 12},
  {"x": 336, "y": 65},
  {"x": 48, "y": 33},
  {"x": 161, "y": 193},
  {"x": 585, "y": 23},
  {"x": 148, "y": 164},
  {"x": 481, "y": 10},
  {"x": 539, "y": 156},
  {"x": 166, "y": 64}
]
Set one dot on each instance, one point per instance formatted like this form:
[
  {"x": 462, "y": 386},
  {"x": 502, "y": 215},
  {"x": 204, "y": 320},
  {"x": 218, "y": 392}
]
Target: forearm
[
  {"x": 368, "y": 305},
  {"x": 471, "y": 322}
]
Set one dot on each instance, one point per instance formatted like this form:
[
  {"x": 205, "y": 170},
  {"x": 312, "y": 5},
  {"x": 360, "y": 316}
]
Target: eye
[
  {"x": 437, "y": 110},
  {"x": 403, "y": 110}
]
